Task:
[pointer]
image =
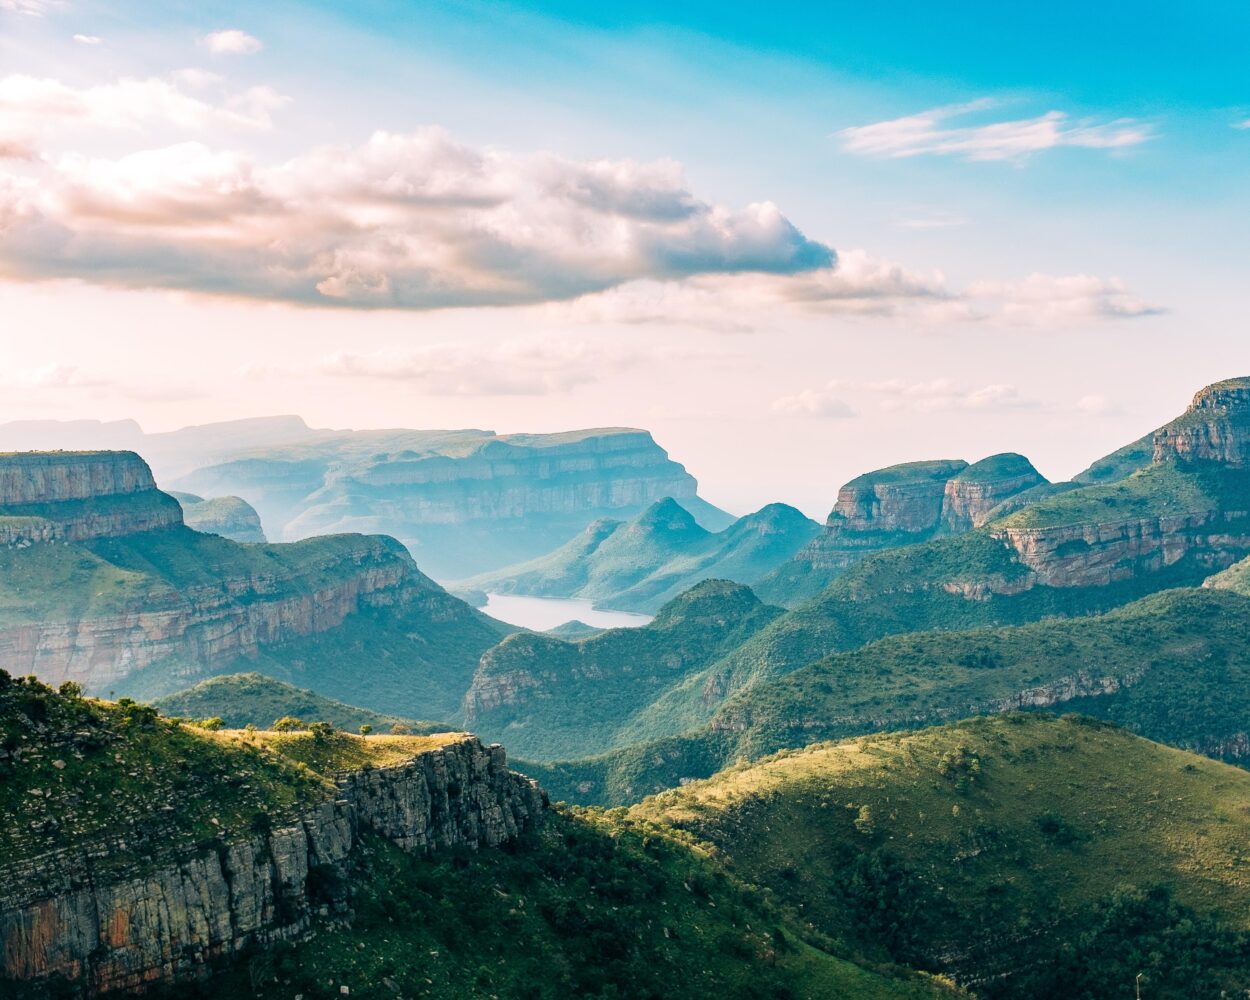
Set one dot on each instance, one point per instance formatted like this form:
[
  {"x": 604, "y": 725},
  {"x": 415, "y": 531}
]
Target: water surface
[{"x": 542, "y": 613}]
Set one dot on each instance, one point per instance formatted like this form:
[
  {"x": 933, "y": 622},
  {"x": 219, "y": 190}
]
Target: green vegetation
[
  {"x": 78, "y": 771},
  {"x": 240, "y": 699},
  {"x": 955, "y": 848},
  {"x": 414, "y": 655},
  {"x": 1121, "y": 463},
  {"x": 591, "y": 906},
  {"x": 230, "y": 517},
  {"x": 641, "y": 564},
  {"x": 567, "y": 699},
  {"x": 1173, "y": 667},
  {"x": 1156, "y": 491},
  {"x": 939, "y": 469}
]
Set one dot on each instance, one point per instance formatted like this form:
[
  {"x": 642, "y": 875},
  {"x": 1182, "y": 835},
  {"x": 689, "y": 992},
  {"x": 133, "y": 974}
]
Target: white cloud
[
  {"x": 1242, "y": 124},
  {"x": 31, "y": 106},
  {"x": 825, "y": 403},
  {"x": 88, "y": 39},
  {"x": 402, "y": 221},
  {"x": 232, "y": 42},
  {"x": 1045, "y": 299},
  {"x": 928, "y": 133},
  {"x": 1097, "y": 406},
  {"x": 31, "y": 8}
]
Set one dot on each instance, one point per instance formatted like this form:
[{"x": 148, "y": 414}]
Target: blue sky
[{"x": 869, "y": 236}]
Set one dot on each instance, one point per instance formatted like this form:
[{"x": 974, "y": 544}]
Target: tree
[
  {"x": 288, "y": 724},
  {"x": 365, "y": 729},
  {"x": 212, "y": 723}
]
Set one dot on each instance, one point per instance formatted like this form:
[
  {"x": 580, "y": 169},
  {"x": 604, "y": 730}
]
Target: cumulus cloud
[
  {"x": 1050, "y": 299},
  {"x": 232, "y": 42},
  {"x": 408, "y": 221},
  {"x": 825, "y": 403},
  {"x": 930, "y": 133},
  {"x": 88, "y": 39}
]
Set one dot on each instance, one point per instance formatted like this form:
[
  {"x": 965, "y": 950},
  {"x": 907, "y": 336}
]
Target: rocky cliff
[
  {"x": 1215, "y": 428},
  {"x": 130, "y": 599},
  {"x": 900, "y": 505},
  {"x": 109, "y": 921},
  {"x": 77, "y": 496},
  {"x": 463, "y": 501}
]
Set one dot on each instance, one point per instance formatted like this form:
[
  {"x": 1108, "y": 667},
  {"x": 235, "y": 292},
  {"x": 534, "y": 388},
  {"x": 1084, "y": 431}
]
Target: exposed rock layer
[
  {"x": 77, "y": 496},
  {"x": 60, "y": 916}
]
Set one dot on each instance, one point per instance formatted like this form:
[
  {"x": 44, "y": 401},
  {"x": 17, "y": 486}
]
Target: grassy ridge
[
  {"x": 252, "y": 698},
  {"x": 589, "y": 905},
  {"x": 1172, "y": 666},
  {"x": 955, "y": 848}
]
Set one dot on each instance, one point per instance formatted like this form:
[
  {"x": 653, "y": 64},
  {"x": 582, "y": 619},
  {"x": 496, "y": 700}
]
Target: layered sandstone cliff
[
  {"x": 78, "y": 496},
  {"x": 1215, "y": 428},
  {"x": 160, "y": 599},
  {"x": 108, "y": 920}
]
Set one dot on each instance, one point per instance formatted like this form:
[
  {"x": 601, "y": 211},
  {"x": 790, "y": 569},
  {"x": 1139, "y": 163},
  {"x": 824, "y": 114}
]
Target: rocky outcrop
[
  {"x": 1215, "y": 428},
  {"x": 974, "y": 493},
  {"x": 110, "y": 922},
  {"x": 900, "y": 505},
  {"x": 1097, "y": 554},
  {"x": 193, "y": 630},
  {"x": 78, "y": 496},
  {"x": 230, "y": 517}
]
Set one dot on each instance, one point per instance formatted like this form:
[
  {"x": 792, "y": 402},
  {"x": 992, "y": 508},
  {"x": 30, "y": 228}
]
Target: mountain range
[{"x": 463, "y": 501}]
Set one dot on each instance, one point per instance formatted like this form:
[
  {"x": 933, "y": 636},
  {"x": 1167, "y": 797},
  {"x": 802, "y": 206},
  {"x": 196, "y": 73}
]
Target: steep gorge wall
[
  {"x": 77, "y": 496},
  {"x": 200, "y": 627},
  {"x": 60, "y": 915}
]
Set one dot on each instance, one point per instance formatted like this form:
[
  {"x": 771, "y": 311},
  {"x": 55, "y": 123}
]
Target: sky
[{"x": 794, "y": 243}]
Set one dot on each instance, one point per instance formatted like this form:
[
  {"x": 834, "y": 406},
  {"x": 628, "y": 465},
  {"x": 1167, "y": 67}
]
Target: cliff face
[
  {"x": 1216, "y": 427},
  {"x": 212, "y": 623},
  {"x": 77, "y": 496},
  {"x": 900, "y": 505},
  {"x": 61, "y": 914},
  {"x": 130, "y": 599},
  {"x": 463, "y": 501}
]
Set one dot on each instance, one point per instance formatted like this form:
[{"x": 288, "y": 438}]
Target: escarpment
[
  {"x": 1215, "y": 428},
  {"x": 78, "y": 496},
  {"x": 230, "y": 517},
  {"x": 900, "y": 505},
  {"x": 142, "y": 604},
  {"x": 107, "y": 918}
]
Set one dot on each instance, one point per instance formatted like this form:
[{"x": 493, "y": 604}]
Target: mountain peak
[
  {"x": 667, "y": 515},
  {"x": 1215, "y": 428}
]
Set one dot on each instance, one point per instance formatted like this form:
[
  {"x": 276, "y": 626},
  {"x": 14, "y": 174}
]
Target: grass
[
  {"x": 79, "y": 771},
  {"x": 574, "y": 698},
  {"x": 956, "y": 847},
  {"x": 1164, "y": 490},
  {"x": 240, "y": 699},
  {"x": 1173, "y": 667},
  {"x": 593, "y": 906}
]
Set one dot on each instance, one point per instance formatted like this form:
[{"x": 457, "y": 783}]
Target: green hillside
[
  {"x": 547, "y": 698},
  {"x": 639, "y": 565},
  {"x": 956, "y": 848},
  {"x": 412, "y": 653},
  {"x": 582, "y": 905},
  {"x": 1173, "y": 667},
  {"x": 254, "y": 699}
]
